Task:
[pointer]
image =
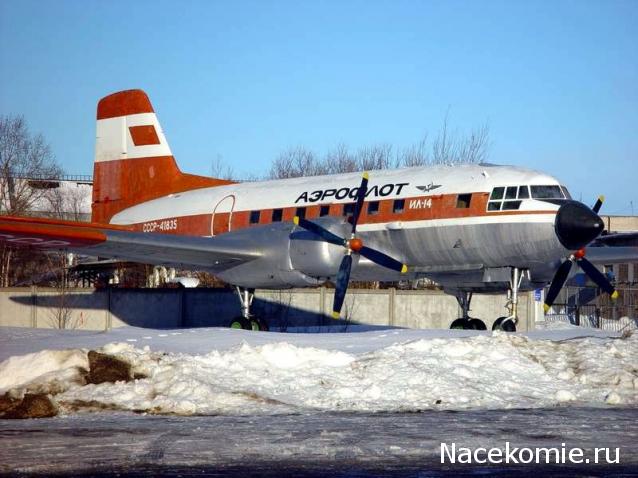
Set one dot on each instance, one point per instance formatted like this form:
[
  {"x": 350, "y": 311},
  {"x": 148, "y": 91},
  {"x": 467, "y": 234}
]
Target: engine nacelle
[
  {"x": 315, "y": 257},
  {"x": 291, "y": 256}
]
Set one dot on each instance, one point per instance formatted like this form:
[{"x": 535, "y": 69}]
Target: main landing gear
[
  {"x": 246, "y": 320},
  {"x": 466, "y": 322},
  {"x": 505, "y": 323}
]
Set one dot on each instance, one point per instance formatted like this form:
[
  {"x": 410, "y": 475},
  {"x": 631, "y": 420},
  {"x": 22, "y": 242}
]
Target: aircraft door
[{"x": 221, "y": 219}]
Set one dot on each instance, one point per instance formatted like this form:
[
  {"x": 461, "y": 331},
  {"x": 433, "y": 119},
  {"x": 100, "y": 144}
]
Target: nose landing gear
[
  {"x": 508, "y": 323},
  {"x": 246, "y": 320}
]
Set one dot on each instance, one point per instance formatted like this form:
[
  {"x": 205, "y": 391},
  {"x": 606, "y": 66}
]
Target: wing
[
  {"x": 625, "y": 239},
  {"x": 213, "y": 253},
  {"x": 612, "y": 255}
]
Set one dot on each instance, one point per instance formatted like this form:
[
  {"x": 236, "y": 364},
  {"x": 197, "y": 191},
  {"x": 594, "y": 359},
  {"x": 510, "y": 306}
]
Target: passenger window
[
  {"x": 510, "y": 193},
  {"x": 301, "y": 212},
  {"x": 373, "y": 208},
  {"x": 463, "y": 201},
  {"x": 494, "y": 206},
  {"x": 324, "y": 211},
  {"x": 254, "y": 217},
  {"x": 277, "y": 215},
  {"x": 497, "y": 193},
  {"x": 523, "y": 192},
  {"x": 348, "y": 209},
  {"x": 398, "y": 206}
]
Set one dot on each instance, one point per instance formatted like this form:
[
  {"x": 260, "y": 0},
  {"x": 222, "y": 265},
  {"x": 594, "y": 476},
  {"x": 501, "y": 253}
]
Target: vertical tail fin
[{"x": 133, "y": 161}]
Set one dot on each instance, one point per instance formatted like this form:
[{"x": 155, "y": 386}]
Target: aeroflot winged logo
[
  {"x": 429, "y": 187},
  {"x": 343, "y": 193}
]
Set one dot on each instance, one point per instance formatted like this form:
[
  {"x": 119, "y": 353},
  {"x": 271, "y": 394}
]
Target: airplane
[{"x": 470, "y": 228}]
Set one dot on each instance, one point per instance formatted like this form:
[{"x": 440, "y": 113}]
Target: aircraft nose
[{"x": 576, "y": 225}]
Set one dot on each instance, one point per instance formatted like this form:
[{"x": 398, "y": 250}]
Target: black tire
[
  {"x": 477, "y": 324},
  {"x": 260, "y": 324},
  {"x": 504, "y": 324},
  {"x": 240, "y": 323},
  {"x": 460, "y": 324}
]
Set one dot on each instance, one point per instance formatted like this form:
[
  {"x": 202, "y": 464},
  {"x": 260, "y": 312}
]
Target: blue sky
[{"x": 557, "y": 81}]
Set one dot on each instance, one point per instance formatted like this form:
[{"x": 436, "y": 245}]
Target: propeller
[
  {"x": 576, "y": 226},
  {"x": 352, "y": 245}
]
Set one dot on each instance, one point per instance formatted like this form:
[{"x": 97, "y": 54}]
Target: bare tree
[
  {"x": 448, "y": 148},
  {"x": 69, "y": 201},
  {"x": 414, "y": 155},
  {"x": 297, "y": 162},
  {"x": 376, "y": 157},
  {"x": 220, "y": 170},
  {"x": 22, "y": 156},
  {"x": 340, "y": 160}
]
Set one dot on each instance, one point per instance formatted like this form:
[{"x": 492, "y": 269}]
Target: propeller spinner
[
  {"x": 352, "y": 245},
  {"x": 576, "y": 226}
]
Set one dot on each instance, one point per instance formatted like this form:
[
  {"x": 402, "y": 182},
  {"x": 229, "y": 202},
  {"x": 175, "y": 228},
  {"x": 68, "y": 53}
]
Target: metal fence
[{"x": 586, "y": 307}]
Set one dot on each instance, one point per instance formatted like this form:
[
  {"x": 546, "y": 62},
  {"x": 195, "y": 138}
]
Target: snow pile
[
  {"x": 41, "y": 367},
  {"x": 482, "y": 371}
]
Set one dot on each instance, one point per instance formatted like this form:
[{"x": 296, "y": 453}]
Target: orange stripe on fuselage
[{"x": 442, "y": 207}]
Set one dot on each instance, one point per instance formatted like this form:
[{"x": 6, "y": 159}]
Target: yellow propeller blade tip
[
  {"x": 404, "y": 269},
  {"x": 546, "y": 307},
  {"x": 366, "y": 175},
  {"x": 602, "y": 198},
  {"x": 296, "y": 220},
  {"x": 614, "y": 295},
  {"x": 336, "y": 315}
]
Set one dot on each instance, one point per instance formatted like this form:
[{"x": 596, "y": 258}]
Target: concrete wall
[{"x": 168, "y": 308}]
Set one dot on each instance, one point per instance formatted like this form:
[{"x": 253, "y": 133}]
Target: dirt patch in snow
[
  {"x": 31, "y": 406},
  {"x": 106, "y": 368}
]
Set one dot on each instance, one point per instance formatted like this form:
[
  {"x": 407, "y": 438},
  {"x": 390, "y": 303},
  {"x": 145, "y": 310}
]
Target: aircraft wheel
[
  {"x": 477, "y": 324},
  {"x": 505, "y": 324},
  {"x": 240, "y": 322},
  {"x": 257, "y": 323},
  {"x": 460, "y": 324}
]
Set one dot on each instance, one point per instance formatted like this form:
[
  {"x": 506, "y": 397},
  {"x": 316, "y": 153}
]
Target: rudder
[{"x": 133, "y": 161}]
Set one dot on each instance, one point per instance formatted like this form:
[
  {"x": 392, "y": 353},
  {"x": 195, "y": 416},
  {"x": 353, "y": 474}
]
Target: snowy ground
[
  {"x": 234, "y": 372},
  {"x": 219, "y": 402}
]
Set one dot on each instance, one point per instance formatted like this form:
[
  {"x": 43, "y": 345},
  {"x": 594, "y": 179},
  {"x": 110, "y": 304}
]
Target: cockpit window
[
  {"x": 497, "y": 193},
  {"x": 566, "y": 192},
  {"x": 523, "y": 192},
  {"x": 507, "y": 198},
  {"x": 547, "y": 192}
]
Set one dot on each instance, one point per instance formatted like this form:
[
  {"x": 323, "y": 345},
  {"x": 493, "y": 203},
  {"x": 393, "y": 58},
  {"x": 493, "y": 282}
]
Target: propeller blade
[
  {"x": 361, "y": 196},
  {"x": 341, "y": 285},
  {"x": 557, "y": 283},
  {"x": 599, "y": 203},
  {"x": 383, "y": 259},
  {"x": 320, "y": 231},
  {"x": 598, "y": 277}
]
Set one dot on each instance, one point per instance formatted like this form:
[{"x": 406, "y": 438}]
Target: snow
[{"x": 234, "y": 372}]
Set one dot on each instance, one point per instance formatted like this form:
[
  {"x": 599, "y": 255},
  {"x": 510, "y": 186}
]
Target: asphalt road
[{"x": 317, "y": 444}]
